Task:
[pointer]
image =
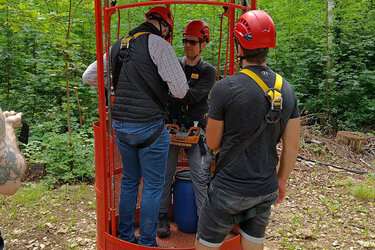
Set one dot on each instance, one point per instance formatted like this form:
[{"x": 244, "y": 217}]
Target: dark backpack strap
[
  {"x": 152, "y": 138},
  {"x": 232, "y": 154}
]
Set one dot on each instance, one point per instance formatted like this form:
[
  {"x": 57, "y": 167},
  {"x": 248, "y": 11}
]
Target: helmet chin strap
[
  {"x": 160, "y": 28},
  {"x": 193, "y": 58},
  {"x": 239, "y": 59},
  {"x": 200, "y": 51}
]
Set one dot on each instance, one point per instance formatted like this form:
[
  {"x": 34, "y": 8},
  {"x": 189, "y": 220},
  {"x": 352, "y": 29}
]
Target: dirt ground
[{"x": 319, "y": 212}]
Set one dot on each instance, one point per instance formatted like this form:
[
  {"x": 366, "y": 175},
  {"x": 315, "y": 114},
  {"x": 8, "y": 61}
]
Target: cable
[{"x": 337, "y": 167}]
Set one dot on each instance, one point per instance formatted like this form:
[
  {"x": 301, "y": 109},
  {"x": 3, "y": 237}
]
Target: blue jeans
[
  {"x": 149, "y": 163},
  {"x": 199, "y": 170}
]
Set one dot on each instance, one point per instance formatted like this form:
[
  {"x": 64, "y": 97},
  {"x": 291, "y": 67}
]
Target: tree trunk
[
  {"x": 351, "y": 139},
  {"x": 7, "y": 74},
  {"x": 327, "y": 64},
  {"x": 67, "y": 58},
  {"x": 79, "y": 108}
]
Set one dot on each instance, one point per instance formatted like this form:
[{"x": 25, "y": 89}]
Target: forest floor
[{"x": 325, "y": 208}]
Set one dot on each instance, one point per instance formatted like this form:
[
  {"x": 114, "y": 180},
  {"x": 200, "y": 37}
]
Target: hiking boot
[
  {"x": 163, "y": 226},
  {"x": 135, "y": 241}
]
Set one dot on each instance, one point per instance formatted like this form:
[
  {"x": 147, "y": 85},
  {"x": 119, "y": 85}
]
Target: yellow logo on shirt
[{"x": 194, "y": 76}]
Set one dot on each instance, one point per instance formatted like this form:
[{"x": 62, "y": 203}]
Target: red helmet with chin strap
[
  {"x": 255, "y": 29},
  {"x": 165, "y": 14},
  {"x": 199, "y": 29}
]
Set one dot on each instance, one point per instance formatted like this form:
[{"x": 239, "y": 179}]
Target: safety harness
[
  {"x": 273, "y": 116},
  {"x": 124, "y": 56}
]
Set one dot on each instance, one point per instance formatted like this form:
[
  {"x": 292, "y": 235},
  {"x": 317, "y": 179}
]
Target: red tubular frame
[{"x": 104, "y": 165}]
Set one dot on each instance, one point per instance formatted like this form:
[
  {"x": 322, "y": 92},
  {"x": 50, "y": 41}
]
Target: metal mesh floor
[{"x": 178, "y": 239}]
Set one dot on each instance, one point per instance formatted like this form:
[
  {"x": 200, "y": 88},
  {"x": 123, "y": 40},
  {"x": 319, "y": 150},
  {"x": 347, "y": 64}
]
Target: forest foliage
[{"x": 325, "y": 49}]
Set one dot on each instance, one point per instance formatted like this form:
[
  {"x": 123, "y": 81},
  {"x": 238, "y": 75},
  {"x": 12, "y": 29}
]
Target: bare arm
[
  {"x": 214, "y": 133},
  {"x": 12, "y": 162},
  {"x": 290, "y": 142}
]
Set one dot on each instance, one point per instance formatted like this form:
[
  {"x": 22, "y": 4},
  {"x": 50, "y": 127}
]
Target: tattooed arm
[{"x": 12, "y": 162}]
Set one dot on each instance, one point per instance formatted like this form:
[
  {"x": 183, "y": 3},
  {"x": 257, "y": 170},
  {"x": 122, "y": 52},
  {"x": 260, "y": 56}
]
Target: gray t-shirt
[{"x": 240, "y": 103}]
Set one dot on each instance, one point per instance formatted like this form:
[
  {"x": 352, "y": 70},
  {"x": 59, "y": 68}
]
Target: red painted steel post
[
  {"x": 102, "y": 163},
  {"x": 231, "y": 46},
  {"x": 253, "y": 4}
]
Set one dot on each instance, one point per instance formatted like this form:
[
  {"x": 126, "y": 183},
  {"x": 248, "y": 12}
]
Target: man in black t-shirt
[
  {"x": 243, "y": 191},
  {"x": 187, "y": 111}
]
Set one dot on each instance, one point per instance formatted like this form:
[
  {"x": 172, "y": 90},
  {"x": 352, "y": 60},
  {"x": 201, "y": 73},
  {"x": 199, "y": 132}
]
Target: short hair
[{"x": 257, "y": 56}]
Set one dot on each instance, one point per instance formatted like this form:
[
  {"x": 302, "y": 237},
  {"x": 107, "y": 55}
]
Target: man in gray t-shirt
[{"x": 244, "y": 190}]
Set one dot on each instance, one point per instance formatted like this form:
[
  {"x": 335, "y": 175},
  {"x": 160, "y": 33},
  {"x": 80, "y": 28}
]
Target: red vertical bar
[
  {"x": 112, "y": 210},
  {"x": 231, "y": 47},
  {"x": 253, "y": 4},
  {"x": 101, "y": 101}
]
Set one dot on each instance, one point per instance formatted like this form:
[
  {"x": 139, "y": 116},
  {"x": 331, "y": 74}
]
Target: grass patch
[
  {"x": 348, "y": 182},
  {"x": 364, "y": 190},
  {"x": 28, "y": 196}
]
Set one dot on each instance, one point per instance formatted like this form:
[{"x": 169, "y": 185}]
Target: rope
[
  {"x": 334, "y": 166},
  {"x": 227, "y": 52},
  {"x": 118, "y": 24},
  {"x": 220, "y": 39}
]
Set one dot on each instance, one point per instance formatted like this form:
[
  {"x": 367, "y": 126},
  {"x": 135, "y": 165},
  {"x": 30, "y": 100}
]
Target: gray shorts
[{"x": 220, "y": 213}]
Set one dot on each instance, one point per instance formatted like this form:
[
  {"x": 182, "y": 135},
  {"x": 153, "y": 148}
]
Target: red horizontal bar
[{"x": 206, "y": 2}]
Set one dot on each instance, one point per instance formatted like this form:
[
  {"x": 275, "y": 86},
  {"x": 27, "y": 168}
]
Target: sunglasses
[{"x": 191, "y": 42}]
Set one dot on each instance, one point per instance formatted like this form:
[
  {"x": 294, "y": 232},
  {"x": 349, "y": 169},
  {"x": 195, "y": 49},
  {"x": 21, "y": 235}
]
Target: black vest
[{"x": 131, "y": 103}]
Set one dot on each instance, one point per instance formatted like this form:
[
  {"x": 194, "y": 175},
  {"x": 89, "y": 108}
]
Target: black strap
[
  {"x": 153, "y": 138},
  {"x": 233, "y": 153},
  {"x": 202, "y": 148}
]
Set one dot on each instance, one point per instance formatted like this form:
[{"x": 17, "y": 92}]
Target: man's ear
[
  {"x": 203, "y": 45},
  {"x": 165, "y": 31},
  {"x": 240, "y": 51}
]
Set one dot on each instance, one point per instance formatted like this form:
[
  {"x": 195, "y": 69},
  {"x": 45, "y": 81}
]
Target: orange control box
[{"x": 182, "y": 137}]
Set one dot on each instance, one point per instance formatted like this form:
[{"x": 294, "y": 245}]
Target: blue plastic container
[{"x": 184, "y": 207}]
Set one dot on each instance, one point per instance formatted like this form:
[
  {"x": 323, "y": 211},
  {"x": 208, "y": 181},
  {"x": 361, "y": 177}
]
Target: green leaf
[{"x": 3, "y": 4}]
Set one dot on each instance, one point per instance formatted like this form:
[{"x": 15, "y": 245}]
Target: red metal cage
[{"x": 108, "y": 165}]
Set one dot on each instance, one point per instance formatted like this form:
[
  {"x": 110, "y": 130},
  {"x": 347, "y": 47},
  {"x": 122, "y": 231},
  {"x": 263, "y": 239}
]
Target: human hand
[
  {"x": 282, "y": 191},
  {"x": 12, "y": 118}
]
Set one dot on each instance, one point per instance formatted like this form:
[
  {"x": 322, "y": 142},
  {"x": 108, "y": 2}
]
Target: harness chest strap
[
  {"x": 126, "y": 40},
  {"x": 272, "y": 94}
]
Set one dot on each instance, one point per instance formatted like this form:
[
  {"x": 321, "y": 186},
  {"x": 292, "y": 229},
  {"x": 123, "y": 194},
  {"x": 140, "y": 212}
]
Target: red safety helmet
[
  {"x": 199, "y": 29},
  {"x": 255, "y": 29},
  {"x": 165, "y": 14}
]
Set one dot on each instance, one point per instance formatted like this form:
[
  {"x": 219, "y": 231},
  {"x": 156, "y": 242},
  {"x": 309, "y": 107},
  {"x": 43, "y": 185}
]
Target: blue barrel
[{"x": 184, "y": 207}]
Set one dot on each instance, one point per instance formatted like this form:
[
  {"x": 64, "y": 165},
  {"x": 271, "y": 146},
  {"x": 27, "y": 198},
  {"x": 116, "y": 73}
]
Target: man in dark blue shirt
[{"x": 244, "y": 190}]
